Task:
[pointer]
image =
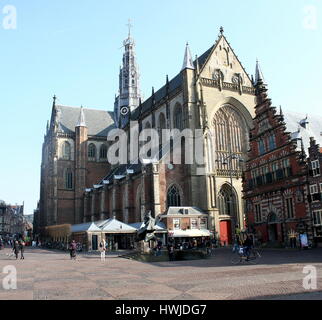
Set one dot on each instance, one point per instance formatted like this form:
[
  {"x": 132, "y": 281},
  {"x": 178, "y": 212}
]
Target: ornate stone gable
[{"x": 223, "y": 64}]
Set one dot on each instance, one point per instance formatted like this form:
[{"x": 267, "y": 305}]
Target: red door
[{"x": 225, "y": 232}]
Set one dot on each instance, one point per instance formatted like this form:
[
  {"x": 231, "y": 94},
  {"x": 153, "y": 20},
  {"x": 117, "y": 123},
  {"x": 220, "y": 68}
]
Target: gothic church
[{"x": 212, "y": 92}]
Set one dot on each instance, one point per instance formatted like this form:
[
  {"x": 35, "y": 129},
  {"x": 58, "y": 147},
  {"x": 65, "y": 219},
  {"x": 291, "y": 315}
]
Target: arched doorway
[
  {"x": 228, "y": 208},
  {"x": 272, "y": 227}
]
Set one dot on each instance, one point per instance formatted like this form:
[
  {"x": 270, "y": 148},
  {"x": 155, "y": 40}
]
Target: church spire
[
  {"x": 259, "y": 74},
  {"x": 187, "y": 61},
  {"x": 129, "y": 80},
  {"x": 81, "y": 120}
]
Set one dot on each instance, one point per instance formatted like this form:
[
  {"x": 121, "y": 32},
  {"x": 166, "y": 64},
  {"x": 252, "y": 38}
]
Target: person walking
[
  {"x": 72, "y": 250},
  {"x": 102, "y": 249},
  {"x": 171, "y": 252},
  {"x": 22, "y": 249},
  {"x": 16, "y": 249}
]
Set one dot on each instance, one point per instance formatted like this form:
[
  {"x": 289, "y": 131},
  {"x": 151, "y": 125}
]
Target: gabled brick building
[
  {"x": 276, "y": 177},
  {"x": 315, "y": 181}
]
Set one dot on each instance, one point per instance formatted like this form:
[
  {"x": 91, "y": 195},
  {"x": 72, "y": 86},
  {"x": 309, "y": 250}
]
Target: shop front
[
  {"x": 87, "y": 236},
  {"x": 186, "y": 226},
  {"x": 118, "y": 235},
  {"x": 189, "y": 238}
]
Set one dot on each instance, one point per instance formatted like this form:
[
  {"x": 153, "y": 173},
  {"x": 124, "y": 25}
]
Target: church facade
[{"x": 212, "y": 93}]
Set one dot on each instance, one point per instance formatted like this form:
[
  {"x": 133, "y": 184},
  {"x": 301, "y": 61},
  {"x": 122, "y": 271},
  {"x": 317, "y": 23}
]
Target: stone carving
[{"x": 146, "y": 232}]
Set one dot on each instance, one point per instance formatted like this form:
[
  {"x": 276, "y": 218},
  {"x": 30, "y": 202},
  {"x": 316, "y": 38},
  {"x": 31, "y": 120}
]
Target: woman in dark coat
[{"x": 72, "y": 249}]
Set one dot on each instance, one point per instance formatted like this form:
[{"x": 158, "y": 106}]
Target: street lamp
[{"x": 228, "y": 161}]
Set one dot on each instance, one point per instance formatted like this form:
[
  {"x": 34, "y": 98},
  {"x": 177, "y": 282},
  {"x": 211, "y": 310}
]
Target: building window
[
  {"x": 315, "y": 168},
  {"x": 258, "y": 213},
  {"x": 103, "y": 152},
  {"x": 289, "y": 208},
  {"x": 66, "y": 151},
  {"x": 69, "y": 179},
  {"x": 92, "y": 151},
  {"x": 173, "y": 197},
  {"x": 314, "y": 189},
  {"x": 271, "y": 142},
  {"x": 178, "y": 118},
  {"x": 203, "y": 223},
  {"x": 194, "y": 224},
  {"x": 286, "y": 168},
  {"x": 261, "y": 147},
  {"x": 176, "y": 224},
  {"x": 317, "y": 218}
]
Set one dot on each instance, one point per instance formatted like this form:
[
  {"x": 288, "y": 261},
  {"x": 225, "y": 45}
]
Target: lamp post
[{"x": 229, "y": 161}]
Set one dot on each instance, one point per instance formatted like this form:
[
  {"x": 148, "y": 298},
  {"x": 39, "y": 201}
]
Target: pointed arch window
[
  {"x": 173, "y": 197},
  {"x": 161, "y": 126},
  {"x": 92, "y": 151},
  {"x": 66, "y": 151},
  {"x": 103, "y": 152},
  {"x": 226, "y": 201},
  {"x": 69, "y": 182},
  {"x": 178, "y": 117}
]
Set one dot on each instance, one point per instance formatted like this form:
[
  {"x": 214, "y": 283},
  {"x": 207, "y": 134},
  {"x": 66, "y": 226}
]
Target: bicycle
[{"x": 240, "y": 256}]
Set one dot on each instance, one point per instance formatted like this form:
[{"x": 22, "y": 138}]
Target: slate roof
[
  {"x": 115, "y": 226},
  {"x": 313, "y": 128},
  {"x": 89, "y": 226},
  {"x": 173, "y": 84},
  {"x": 184, "y": 211},
  {"x": 98, "y": 122}
]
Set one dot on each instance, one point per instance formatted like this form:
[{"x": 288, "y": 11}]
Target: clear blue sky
[{"x": 72, "y": 49}]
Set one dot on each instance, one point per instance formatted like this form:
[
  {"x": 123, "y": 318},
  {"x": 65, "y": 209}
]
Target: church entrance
[{"x": 225, "y": 233}]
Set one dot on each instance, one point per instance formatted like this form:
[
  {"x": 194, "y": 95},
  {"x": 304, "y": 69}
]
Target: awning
[{"x": 189, "y": 233}]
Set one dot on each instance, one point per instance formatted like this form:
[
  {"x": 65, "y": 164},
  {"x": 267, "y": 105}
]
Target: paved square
[{"x": 52, "y": 275}]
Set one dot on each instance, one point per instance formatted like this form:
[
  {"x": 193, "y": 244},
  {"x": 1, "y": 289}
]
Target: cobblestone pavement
[{"x": 52, "y": 275}]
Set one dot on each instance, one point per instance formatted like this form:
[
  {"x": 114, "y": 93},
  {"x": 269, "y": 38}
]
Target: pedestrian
[
  {"x": 102, "y": 249},
  {"x": 171, "y": 252},
  {"x": 72, "y": 250},
  {"x": 16, "y": 249},
  {"x": 22, "y": 249}
]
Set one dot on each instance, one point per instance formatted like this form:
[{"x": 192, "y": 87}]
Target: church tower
[{"x": 129, "y": 87}]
